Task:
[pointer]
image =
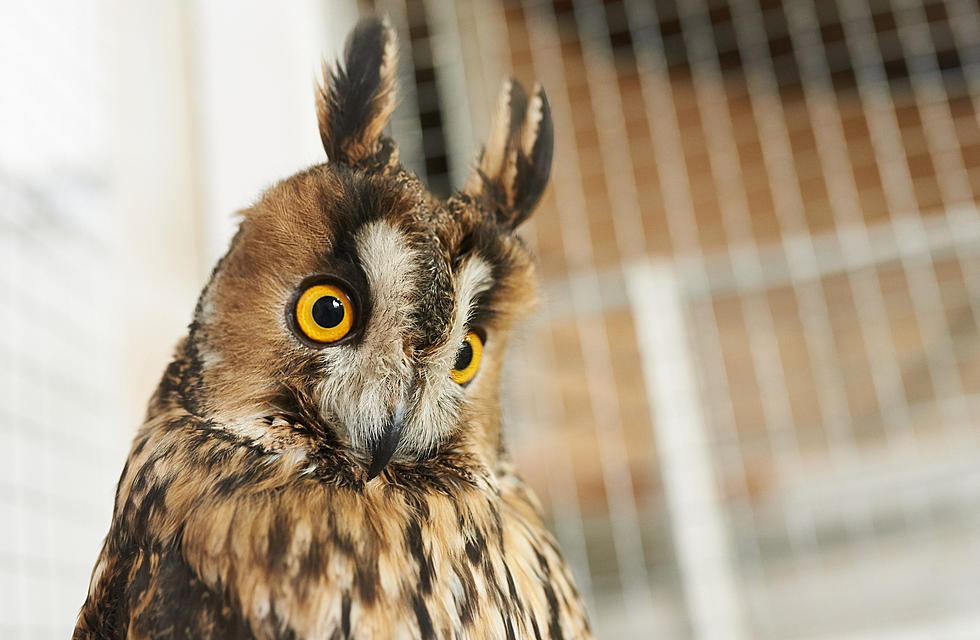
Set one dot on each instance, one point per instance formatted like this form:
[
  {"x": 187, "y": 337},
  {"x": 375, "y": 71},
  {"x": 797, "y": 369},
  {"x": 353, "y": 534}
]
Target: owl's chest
[{"x": 382, "y": 562}]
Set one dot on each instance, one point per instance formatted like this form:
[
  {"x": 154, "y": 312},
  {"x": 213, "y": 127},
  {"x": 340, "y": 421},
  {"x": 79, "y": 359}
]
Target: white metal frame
[{"x": 697, "y": 517}]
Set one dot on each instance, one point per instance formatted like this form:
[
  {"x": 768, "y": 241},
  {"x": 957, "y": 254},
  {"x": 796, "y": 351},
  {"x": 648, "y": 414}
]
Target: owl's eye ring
[
  {"x": 468, "y": 358},
  {"x": 323, "y": 313}
]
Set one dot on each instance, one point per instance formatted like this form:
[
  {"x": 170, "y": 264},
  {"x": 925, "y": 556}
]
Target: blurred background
[{"x": 750, "y": 402}]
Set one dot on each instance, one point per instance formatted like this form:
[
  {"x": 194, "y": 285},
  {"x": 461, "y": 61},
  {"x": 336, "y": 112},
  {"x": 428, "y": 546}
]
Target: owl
[{"x": 323, "y": 456}]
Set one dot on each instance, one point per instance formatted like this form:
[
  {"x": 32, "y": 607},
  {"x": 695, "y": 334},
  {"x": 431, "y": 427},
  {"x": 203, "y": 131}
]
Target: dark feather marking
[
  {"x": 498, "y": 524},
  {"x": 219, "y": 456},
  {"x": 286, "y": 634},
  {"x": 279, "y": 537},
  {"x": 178, "y": 605},
  {"x": 366, "y": 579},
  {"x": 413, "y": 541},
  {"x": 345, "y": 614},
  {"x": 510, "y": 629},
  {"x": 467, "y": 606},
  {"x": 343, "y": 542},
  {"x": 512, "y": 588},
  {"x": 249, "y": 476},
  {"x": 554, "y": 623},
  {"x": 418, "y": 504},
  {"x": 188, "y": 374},
  {"x": 475, "y": 547},
  {"x": 138, "y": 446},
  {"x": 142, "y": 477},
  {"x": 490, "y": 574},
  {"x": 314, "y": 560},
  {"x": 422, "y": 615},
  {"x": 534, "y": 627},
  {"x": 136, "y": 513}
]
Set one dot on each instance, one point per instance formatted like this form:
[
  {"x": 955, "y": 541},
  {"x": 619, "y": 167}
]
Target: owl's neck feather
[{"x": 287, "y": 530}]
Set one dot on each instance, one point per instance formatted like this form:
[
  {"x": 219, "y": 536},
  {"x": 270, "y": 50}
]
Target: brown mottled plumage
[{"x": 281, "y": 487}]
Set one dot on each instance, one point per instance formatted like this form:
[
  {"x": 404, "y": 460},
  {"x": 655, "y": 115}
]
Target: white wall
[
  {"x": 132, "y": 130},
  {"x": 253, "y": 91}
]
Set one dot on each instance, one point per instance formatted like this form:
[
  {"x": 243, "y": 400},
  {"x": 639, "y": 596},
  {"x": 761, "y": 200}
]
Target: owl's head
[{"x": 352, "y": 292}]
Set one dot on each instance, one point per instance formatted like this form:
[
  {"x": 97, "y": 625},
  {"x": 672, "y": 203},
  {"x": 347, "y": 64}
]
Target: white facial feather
[{"x": 366, "y": 379}]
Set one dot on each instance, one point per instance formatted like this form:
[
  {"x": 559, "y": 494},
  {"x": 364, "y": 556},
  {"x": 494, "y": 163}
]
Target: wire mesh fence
[{"x": 751, "y": 404}]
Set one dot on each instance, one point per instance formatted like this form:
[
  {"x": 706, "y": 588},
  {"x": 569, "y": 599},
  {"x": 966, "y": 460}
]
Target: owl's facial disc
[{"x": 396, "y": 390}]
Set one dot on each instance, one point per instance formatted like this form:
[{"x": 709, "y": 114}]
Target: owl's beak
[{"x": 386, "y": 445}]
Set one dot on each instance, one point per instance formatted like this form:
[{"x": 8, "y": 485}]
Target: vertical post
[{"x": 697, "y": 522}]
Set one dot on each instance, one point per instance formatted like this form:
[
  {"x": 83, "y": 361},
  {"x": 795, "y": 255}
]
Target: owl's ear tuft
[
  {"x": 514, "y": 167},
  {"x": 357, "y": 97}
]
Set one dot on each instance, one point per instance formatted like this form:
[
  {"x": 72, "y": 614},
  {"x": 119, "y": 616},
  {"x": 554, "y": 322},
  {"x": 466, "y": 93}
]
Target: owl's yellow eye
[
  {"x": 324, "y": 313},
  {"x": 467, "y": 358}
]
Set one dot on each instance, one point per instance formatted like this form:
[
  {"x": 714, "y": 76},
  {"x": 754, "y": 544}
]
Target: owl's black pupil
[
  {"x": 464, "y": 356},
  {"x": 328, "y": 312}
]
